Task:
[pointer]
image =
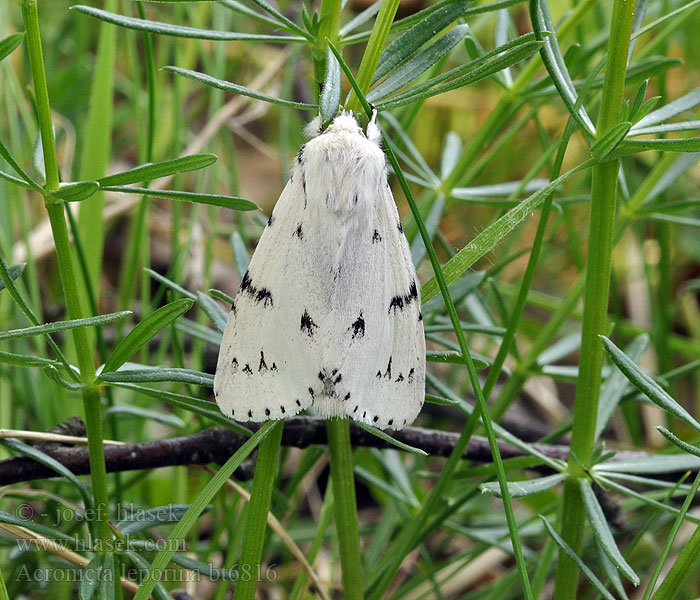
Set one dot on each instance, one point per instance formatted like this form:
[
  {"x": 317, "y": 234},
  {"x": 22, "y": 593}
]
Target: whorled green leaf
[
  {"x": 234, "y": 88},
  {"x": 150, "y": 517},
  {"x": 330, "y": 95},
  {"x": 390, "y": 440},
  {"x": 75, "y": 192},
  {"x": 493, "y": 234},
  {"x": 51, "y": 533},
  {"x": 685, "y": 446},
  {"x": 602, "y": 532},
  {"x": 55, "y": 375},
  {"x": 416, "y": 65},
  {"x": 442, "y": 401},
  {"x": 144, "y": 374},
  {"x": 249, "y": 12},
  {"x": 602, "y": 148},
  {"x": 667, "y": 128},
  {"x": 5, "y": 153},
  {"x": 144, "y": 332},
  {"x": 662, "y": 145},
  {"x": 230, "y": 202},
  {"x": 151, "y": 171},
  {"x": 453, "y": 357},
  {"x": 577, "y": 560},
  {"x": 668, "y": 463},
  {"x": 42, "y": 458},
  {"x": 166, "y": 418},
  {"x": 556, "y": 66},
  {"x": 107, "y": 577},
  {"x": 520, "y": 489},
  {"x": 14, "y": 180},
  {"x": 204, "y": 408},
  {"x": 62, "y": 325},
  {"x": 181, "y": 31},
  {"x": 668, "y": 111},
  {"x": 170, "y": 284},
  {"x": 14, "y": 272},
  {"x": 89, "y": 578},
  {"x": 647, "y": 385},
  {"x": 24, "y": 360},
  {"x": 616, "y": 383},
  {"x": 219, "y": 295},
  {"x": 216, "y": 314},
  {"x": 10, "y": 43},
  {"x": 483, "y": 67},
  {"x": 407, "y": 44}
]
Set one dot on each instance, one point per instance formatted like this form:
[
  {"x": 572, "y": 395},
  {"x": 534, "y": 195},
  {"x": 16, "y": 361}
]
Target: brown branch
[{"x": 217, "y": 444}]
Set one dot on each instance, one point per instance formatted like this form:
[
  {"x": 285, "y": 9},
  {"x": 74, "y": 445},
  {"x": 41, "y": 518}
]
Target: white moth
[{"x": 328, "y": 315}]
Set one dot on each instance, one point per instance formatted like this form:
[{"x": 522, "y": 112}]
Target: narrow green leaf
[
  {"x": 234, "y": 88},
  {"x": 63, "y": 325},
  {"x": 170, "y": 284},
  {"x": 441, "y": 400},
  {"x": 555, "y": 64},
  {"x": 54, "y": 375},
  {"x": 493, "y": 234},
  {"x": 15, "y": 180},
  {"x": 453, "y": 357},
  {"x": 158, "y": 515},
  {"x": 685, "y": 446},
  {"x": 167, "y": 418},
  {"x": 691, "y": 144},
  {"x": 483, "y": 67},
  {"x": 165, "y": 168},
  {"x": 230, "y": 202},
  {"x": 418, "y": 64},
  {"x": 216, "y": 314},
  {"x": 425, "y": 30},
  {"x": 107, "y": 576},
  {"x": 330, "y": 96},
  {"x": 198, "y": 505},
  {"x": 520, "y": 489},
  {"x": 577, "y": 560},
  {"x": 5, "y": 153},
  {"x": 24, "y": 360},
  {"x": 602, "y": 148},
  {"x": 602, "y": 532},
  {"x": 180, "y": 31},
  {"x": 51, "y": 533},
  {"x": 390, "y": 440},
  {"x": 647, "y": 385},
  {"x": 13, "y": 272},
  {"x": 144, "y": 332},
  {"x": 616, "y": 384},
  {"x": 50, "y": 462},
  {"x": 241, "y": 257},
  {"x": 144, "y": 374},
  {"x": 249, "y": 12},
  {"x": 88, "y": 579},
  {"x": 205, "y": 408},
  {"x": 663, "y": 463},
  {"x": 670, "y": 110},
  {"x": 219, "y": 295},
  {"x": 75, "y": 192},
  {"x": 10, "y": 43},
  {"x": 667, "y": 128}
]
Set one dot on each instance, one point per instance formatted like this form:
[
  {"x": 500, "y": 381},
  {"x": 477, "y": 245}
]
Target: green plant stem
[
  {"x": 30, "y": 16},
  {"x": 375, "y": 45},
  {"x": 258, "y": 508},
  {"x": 75, "y": 302},
  {"x": 343, "y": 478},
  {"x": 600, "y": 245},
  {"x": 684, "y": 566}
]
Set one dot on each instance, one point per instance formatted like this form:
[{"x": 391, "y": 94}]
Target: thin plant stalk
[
  {"x": 75, "y": 302},
  {"x": 347, "y": 529},
  {"x": 600, "y": 246},
  {"x": 258, "y": 508}
]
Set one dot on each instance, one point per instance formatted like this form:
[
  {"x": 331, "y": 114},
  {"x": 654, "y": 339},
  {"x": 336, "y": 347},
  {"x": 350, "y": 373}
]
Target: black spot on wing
[
  {"x": 401, "y": 302},
  {"x": 263, "y": 295},
  {"x": 262, "y": 366},
  {"x": 282, "y": 409},
  {"x": 347, "y": 397},
  {"x": 271, "y": 220},
  {"x": 387, "y": 374},
  {"x": 398, "y": 224},
  {"x": 376, "y": 418},
  {"x": 298, "y": 402},
  {"x": 376, "y": 237},
  {"x": 399, "y": 379},
  {"x": 250, "y": 414},
  {"x": 300, "y": 154},
  {"x": 267, "y": 412},
  {"x": 391, "y": 422},
  {"x": 307, "y": 324},
  {"x": 358, "y": 327},
  {"x": 413, "y": 290},
  {"x": 245, "y": 282},
  {"x": 299, "y": 232},
  {"x": 396, "y": 303},
  {"x": 234, "y": 363},
  {"x": 247, "y": 369},
  {"x": 410, "y": 375}
]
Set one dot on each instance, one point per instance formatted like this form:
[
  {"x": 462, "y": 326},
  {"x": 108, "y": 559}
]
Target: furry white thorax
[{"x": 328, "y": 315}]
